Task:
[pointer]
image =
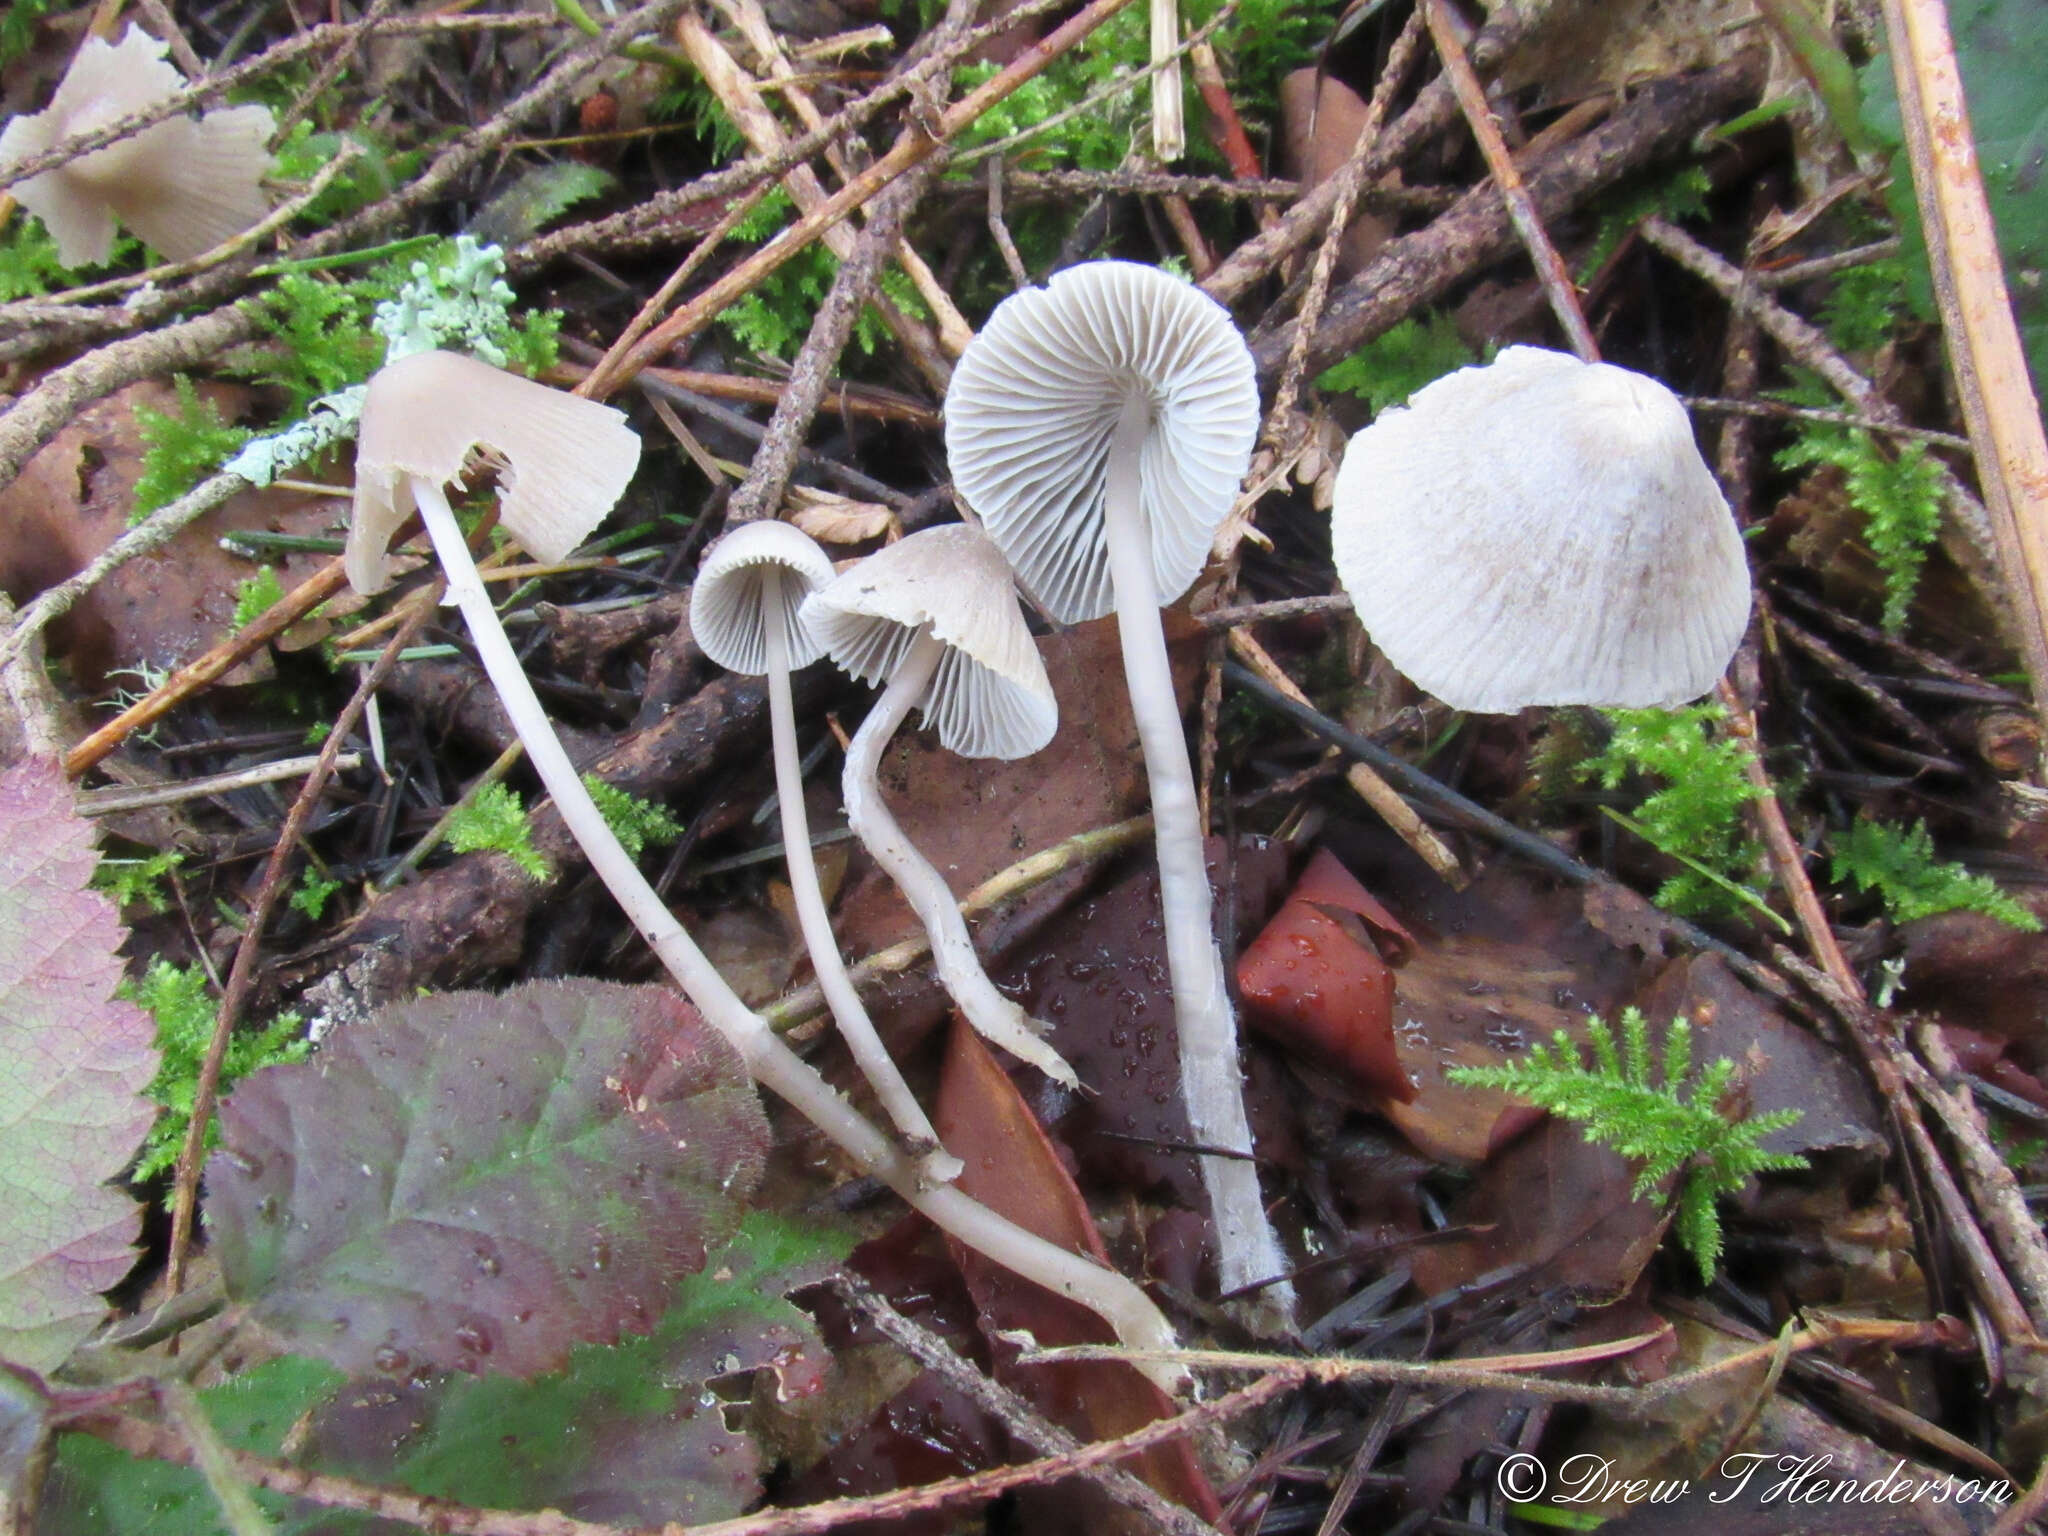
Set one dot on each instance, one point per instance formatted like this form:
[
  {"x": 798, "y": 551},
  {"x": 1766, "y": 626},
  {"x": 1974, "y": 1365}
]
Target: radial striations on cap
[
  {"x": 990, "y": 696},
  {"x": 1036, "y": 399},
  {"x": 729, "y": 611},
  {"x": 1541, "y": 531}
]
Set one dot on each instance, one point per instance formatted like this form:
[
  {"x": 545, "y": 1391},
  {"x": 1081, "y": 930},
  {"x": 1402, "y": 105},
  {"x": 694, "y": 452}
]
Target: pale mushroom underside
[
  {"x": 990, "y": 696},
  {"x": 1036, "y": 399},
  {"x": 1541, "y": 531},
  {"x": 729, "y": 616},
  {"x": 183, "y": 186},
  {"x": 566, "y": 460}
]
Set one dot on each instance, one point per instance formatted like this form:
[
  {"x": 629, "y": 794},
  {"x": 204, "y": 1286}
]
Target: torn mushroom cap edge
[
  {"x": 183, "y": 186},
  {"x": 566, "y": 460},
  {"x": 1541, "y": 531},
  {"x": 990, "y": 696},
  {"x": 1035, "y": 401},
  {"x": 729, "y": 614}
]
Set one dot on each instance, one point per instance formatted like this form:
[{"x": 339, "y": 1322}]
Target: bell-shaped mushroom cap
[
  {"x": 729, "y": 611},
  {"x": 1038, "y": 395},
  {"x": 566, "y": 460},
  {"x": 1541, "y": 531},
  {"x": 990, "y": 696},
  {"x": 182, "y": 185}
]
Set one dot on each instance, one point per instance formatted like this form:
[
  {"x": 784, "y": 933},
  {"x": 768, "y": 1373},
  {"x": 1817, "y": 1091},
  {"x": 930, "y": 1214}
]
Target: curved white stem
[
  {"x": 994, "y": 1017},
  {"x": 1247, "y": 1250},
  {"x": 1103, "y": 1291},
  {"x": 855, "y": 1027}
]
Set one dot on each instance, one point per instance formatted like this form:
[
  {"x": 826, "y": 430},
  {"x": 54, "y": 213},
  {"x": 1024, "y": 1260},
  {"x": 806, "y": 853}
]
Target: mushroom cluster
[
  {"x": 1536, "y": 531},
  {"x": 563, "y": 462}
]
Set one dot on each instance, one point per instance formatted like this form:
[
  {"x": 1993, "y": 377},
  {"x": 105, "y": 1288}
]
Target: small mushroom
[
  {"x": 1541, "y": 531},
  {"x": 568, "y": 445},
  {"x": 183, "y": 185},
  {"x": 743, "y": 615},
  {"x": 935, "y": 617},
  {"x": 1099, "y": 427}
]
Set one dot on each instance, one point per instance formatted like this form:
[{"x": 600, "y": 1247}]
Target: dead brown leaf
[
  {"x": 1014, "y": 1169},
  {"x": 1321, "y": 118},
  {"x": 73, "y": 499}
]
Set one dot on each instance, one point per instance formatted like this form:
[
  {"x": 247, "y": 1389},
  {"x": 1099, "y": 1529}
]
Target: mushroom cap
[
  {"x": 1541, "y": 531},
  {"x": 990, "y": 696},
  {"x": 567, "y": 460},
  {"x": 1036, "y": 399},
  {"x": 183, "y": 185},
  {"x": 729, "y": 616}
]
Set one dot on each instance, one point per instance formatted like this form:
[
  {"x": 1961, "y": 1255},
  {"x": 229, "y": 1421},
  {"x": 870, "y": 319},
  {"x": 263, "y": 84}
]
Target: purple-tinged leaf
[
  {"x": 472, "y": 1182},
  {"x": 73, "y": 1062}
]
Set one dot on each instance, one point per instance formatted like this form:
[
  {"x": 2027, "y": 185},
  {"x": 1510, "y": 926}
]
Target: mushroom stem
[
  {"x": 994, "y": 1017},
  {"x": 855, "y": 1027},
  {"x": 1127, "y": 1309},
  {"x": 1248, "y": 1252}
]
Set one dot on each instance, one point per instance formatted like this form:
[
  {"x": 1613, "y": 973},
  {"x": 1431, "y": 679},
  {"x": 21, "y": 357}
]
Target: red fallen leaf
[
  {"x": 1313, "y": 980},
  {"x": 1014, "y": 1169}
]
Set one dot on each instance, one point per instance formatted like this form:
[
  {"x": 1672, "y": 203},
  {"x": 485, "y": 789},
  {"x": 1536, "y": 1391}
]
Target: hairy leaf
[
  {"x": 95, "y": 1488},
  {"x": 73, "y": 1061},
  {"x": 629, "y": 1435},
  {"x": 476, "y": 1183},
  {"x": 625, "y": 1434}
]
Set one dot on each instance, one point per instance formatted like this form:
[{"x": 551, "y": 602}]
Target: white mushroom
[
  {"x": 183, "y": 185},
  {"x": 1099, "y": 427},
  {"x": 935, "y": 617},
  {"x": 566, "y": 460},
  {"x": 743, "y": 615},
  {"x": 529, "y": 439},
  {"x": 1541, "y": 531}
]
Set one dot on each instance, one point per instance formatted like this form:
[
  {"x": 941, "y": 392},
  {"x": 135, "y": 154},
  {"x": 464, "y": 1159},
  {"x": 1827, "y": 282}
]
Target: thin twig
[
  {"x": 1775, "y": 410},
  {"x": 1976, "y": 548},
  {"x": 1016, "y": 1415},
  {"x": 760, "y": 494},
  {"x": 1984, "y": 352},
  {"x": 122, "y": 798},
  {"x": 215, "y": 664},
  {"x": 1351, "y": 179},
  {"x": 242, "y": 977},
  {"x": 1550, "y": 268}
]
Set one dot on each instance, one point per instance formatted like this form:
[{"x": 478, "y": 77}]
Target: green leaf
[
  {"x": 636, "y": 823},
  {"x": 476, "y": 1182},
  {"x": 257, "y": 595},
  {"x": 1695, "y": 813},
  {"x": 626, "y": 1434},
  {"x": 95, "y": 1489},
  {"x": 73, "y": 1060},
  {"x": 541, "y": 194}
]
